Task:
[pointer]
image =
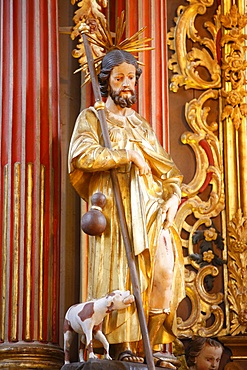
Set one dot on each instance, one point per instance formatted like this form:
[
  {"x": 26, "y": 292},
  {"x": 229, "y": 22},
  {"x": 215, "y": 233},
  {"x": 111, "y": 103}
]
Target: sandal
[{"x": 129, "y": 356}]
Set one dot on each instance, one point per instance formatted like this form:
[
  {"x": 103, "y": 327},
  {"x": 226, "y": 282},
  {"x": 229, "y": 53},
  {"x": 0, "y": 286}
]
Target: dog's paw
[
  {"x": 81, "y": 356},
  {"x": 108, "y": 357},
  {"x": 92, "y": 355}
]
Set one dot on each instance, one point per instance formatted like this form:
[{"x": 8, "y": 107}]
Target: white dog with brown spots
[{"x": 86, "y": 320}]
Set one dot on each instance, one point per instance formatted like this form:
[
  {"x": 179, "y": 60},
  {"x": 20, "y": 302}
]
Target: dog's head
[{"x": 119, "y": 299}]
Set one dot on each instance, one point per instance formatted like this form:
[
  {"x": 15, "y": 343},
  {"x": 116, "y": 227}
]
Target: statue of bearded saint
[{"x": 150, "y": 188}]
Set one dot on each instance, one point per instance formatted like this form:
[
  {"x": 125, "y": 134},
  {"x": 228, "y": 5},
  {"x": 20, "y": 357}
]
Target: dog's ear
[
  {"x": 109, "y": 298},
  {"x": 110, "y": 305}
]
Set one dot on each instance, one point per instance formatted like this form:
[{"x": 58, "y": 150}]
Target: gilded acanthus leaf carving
[
  {"x": 186, "y": 64},
  {"x": 226, "y": 74},
  {"x": 205, "y": 145},
  {"x": 89, "y": 20},
  {"x": 197, "y": 212},
  {"x": 203, "y": 305},
  {"x": 233, "y": 19},
  {"x": 89, "y": 13},
  {"x": 234, "y": 66},
  {"x": 204, "y": 142},
  {"x": 237, "y": 269},
  {"x": 88, "y": 9}
]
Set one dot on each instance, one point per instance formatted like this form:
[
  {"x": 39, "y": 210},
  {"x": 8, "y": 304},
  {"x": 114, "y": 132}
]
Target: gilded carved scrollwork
[
  {"x": 89, "y": 13},
  {"x": 234, "y": 66},
  {"x": 225, "y": 82},
  {"x": 197, "y": 212},
  {"x": 203, "y": 305},
  {"x": 237, "y": 269},
  {"x": 186, "y": 64},
  {"x": 205, "y": 144},
  {"x": 234, "y": 118}
]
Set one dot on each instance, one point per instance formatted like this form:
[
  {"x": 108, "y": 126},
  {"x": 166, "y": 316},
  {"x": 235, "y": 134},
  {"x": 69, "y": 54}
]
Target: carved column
[
  {"x": 234, "y": 22},
  {"x": 29, "y": 185}
]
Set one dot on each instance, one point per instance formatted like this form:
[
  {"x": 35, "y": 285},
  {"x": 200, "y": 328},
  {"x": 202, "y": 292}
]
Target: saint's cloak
[{"x": 89, "y": 167}]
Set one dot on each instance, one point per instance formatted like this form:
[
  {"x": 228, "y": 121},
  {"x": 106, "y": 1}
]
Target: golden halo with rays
[{"x": 101, "y": 40}]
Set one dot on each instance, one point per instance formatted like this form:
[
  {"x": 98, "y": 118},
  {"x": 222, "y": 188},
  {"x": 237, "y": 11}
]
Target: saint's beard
[{"x": 123, "y": 101}]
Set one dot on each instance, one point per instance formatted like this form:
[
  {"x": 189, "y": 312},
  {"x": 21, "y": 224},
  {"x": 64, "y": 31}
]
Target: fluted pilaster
[{"x": 30, "y": 186}]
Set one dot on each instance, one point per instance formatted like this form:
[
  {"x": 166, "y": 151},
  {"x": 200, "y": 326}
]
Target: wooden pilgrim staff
[{"x": 100, "y": 106}]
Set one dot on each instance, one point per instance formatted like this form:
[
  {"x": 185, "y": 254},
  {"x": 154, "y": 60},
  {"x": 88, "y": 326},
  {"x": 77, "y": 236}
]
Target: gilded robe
[{"x": 89, "y": 167}]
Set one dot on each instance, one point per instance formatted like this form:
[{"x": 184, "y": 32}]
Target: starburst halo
[{"x": 103, "y": 41}]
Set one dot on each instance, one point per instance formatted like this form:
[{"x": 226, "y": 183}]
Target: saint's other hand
[
  {"x": 169, "y": 211},
  {"x": 139, "y": 161}
]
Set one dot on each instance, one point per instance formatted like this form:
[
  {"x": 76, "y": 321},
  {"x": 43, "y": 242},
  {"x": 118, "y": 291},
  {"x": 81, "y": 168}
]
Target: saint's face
[
  {"x": 122, "y": 79},
  {"x": 209, "y": 358}
]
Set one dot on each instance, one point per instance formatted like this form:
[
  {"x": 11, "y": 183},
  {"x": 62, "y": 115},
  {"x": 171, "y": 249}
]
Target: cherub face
[{"x": 209, "y": 358}]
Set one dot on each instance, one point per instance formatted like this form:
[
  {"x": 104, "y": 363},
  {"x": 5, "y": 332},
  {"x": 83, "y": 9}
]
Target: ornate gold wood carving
[
  {"x": 209, "y": 141},
  {"x": 209, "y": 168},
  {"x": 196, "y": 212},
  {"x": 203, "y": 305},
  {"x": 88, "y": 12},
  {"x": 234, "y": 66},
  {"x": 237, "y": 270},
  {"x": 234, "y": 117},
  {"x": 186, "y": 64}
]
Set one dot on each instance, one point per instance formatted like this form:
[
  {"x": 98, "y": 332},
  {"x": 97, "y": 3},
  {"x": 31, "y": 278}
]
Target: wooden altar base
[{"x": 107, "y": 365}]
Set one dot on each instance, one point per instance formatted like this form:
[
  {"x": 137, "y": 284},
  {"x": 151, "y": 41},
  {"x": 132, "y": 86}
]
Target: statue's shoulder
[
  {"x": 87, "y": 116},
  {"x": 88, "y": 112},
  {"x": 143, "y": 121}
]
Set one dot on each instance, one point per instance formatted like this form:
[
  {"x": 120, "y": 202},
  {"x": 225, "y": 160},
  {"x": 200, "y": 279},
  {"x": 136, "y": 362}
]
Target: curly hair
[
  {"x": 196, "y": 345},
  {"x": 112, "y": 59}
]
